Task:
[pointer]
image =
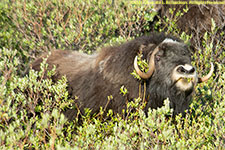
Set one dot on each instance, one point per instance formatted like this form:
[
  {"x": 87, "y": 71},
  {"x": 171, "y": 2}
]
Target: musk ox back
[{"x": 92, "y": 78}]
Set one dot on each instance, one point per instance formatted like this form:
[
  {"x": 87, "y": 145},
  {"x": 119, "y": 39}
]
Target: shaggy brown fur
[
  {"x": 198, "y": 18},
  {"x": 197, "y": 21},
  {"x": 95, "y": 77}
]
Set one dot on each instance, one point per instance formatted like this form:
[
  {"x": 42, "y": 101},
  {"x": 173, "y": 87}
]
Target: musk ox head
[{"x": 171, "y": 75}]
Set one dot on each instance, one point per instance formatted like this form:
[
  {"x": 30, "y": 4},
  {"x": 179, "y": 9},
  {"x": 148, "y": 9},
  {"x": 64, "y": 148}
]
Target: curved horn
[
  {"x": 151, "y": 66},
  {"x": 205, "y": 78}
]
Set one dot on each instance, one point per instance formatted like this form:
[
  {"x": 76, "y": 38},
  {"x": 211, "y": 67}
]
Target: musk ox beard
[{"x": 92, "y": 78}]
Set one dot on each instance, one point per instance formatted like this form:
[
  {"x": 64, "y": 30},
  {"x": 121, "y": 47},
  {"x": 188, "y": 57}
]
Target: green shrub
[
  {"x": 36, "y": 26},
  {"x": 31, "y": 107}
]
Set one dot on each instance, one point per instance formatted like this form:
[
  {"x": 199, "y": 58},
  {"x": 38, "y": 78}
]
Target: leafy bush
[
  {"x": 31, "y": 107},
  {"x": 45, "y": 25}
]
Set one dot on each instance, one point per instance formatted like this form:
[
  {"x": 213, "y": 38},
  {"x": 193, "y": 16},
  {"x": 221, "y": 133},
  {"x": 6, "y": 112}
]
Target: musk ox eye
[
  {"x": 184, "y": 53},
  {"x": 157, "y": 57}
]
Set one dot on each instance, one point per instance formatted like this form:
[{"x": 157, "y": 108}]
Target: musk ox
[
  {"x": 196, "y": 21},
  {"x": 92, "y": 78}
]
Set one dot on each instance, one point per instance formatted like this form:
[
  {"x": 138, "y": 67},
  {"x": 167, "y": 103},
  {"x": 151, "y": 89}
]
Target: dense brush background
[{"x": 30, "y": 108}]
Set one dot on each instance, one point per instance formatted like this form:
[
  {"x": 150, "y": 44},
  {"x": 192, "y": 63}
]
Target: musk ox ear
[
  {"x": 162, "y": 49},
  {"x": 163, "y": 46},
  {"x": 146, "y": 50},
  {"x": 161, "y": 53}
]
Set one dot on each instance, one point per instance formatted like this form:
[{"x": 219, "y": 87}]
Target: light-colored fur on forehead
[{"x": 168, "y": 40}]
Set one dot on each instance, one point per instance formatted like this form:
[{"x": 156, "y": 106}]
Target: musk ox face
[
  {"x": 171, "y": 75},
  {"x": 174, "y": 57}
]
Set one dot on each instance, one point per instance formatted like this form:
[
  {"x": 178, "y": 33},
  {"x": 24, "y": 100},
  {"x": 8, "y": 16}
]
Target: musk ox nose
[{"x": 186, "y": 69}]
